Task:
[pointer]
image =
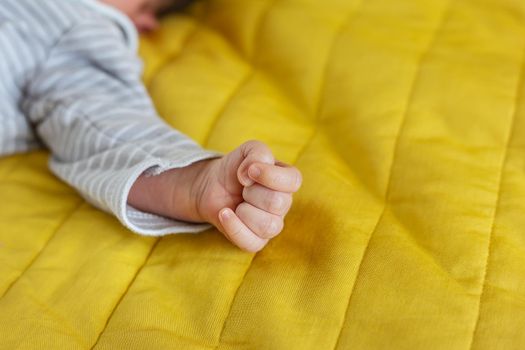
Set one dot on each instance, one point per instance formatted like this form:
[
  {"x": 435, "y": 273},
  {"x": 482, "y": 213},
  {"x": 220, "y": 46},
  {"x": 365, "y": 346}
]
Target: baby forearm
[{"x": 173, "y": 193}]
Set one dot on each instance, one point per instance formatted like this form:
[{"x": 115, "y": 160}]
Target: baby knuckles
[
  {"x": 265, "y": 225},
  {"x": 271, "y": 227},
  {"x": 279, "y": 203}
]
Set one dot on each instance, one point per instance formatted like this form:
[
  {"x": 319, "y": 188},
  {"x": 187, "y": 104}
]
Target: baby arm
[
  {"x": 245, "y": 194},
  {"x": 89, "y": 106}
]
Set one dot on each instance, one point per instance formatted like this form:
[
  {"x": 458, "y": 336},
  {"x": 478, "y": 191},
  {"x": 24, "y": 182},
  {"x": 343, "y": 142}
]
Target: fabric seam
[{"x": 416, "y": 78}]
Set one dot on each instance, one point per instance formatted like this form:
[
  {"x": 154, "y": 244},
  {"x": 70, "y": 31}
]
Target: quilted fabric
[{"x": 407, "y": 119}]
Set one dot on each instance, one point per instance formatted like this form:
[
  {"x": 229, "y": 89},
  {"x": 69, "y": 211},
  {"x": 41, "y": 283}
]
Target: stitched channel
[
  {"x": 423, "y": 57},
  {"x": 127, "y": 290},
  {"x": 62, "y": 223},
  {"x": 519, "y": 92},
  {"x": 324, "y": 79},
  {"x": 227, "y": 102}
]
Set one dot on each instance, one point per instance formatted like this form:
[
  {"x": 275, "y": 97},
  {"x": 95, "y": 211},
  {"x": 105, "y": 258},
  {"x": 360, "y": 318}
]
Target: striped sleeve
[{"x": 91, "y": 109}]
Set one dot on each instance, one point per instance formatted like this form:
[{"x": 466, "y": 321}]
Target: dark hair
[{"x": 178, "y": 5}]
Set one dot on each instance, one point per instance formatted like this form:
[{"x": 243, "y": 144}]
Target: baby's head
[{"x": 144, "y": 13}]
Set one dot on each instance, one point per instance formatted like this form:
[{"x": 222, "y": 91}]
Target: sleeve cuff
[{"x": 148, "y": 224}]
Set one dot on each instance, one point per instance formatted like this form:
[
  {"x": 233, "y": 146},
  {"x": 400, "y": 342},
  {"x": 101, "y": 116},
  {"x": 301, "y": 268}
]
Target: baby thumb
[{"x": 253, "y": 152}]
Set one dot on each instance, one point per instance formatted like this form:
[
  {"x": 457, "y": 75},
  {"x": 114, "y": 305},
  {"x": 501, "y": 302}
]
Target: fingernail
[
  {"x": 254, "y": 172},
  {"x": 225, "y": 214}
]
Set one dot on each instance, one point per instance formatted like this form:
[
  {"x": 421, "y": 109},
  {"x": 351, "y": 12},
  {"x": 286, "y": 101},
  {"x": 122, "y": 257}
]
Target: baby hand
[{"x": 246, "y": 195}]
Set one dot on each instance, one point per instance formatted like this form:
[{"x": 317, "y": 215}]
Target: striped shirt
[{"x": 70, "y": 79}]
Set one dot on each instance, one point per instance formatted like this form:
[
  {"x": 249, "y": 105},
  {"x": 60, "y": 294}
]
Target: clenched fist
[{"x": 245, "y": 194}]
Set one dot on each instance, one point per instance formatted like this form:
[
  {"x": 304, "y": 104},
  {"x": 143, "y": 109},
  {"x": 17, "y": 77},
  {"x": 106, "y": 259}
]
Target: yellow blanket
[{"x": 407, "y": 119}]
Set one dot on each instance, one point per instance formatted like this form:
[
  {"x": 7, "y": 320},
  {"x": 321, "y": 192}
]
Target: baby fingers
[
  {"x": 237, "y": 232},
  {"x": 273, "y": 202},
  {"x": 279, "y": 177},
  {"x": 263, "y": 224}
]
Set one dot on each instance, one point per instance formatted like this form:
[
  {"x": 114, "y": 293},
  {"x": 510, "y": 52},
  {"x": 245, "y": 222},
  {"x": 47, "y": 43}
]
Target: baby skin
[{"x": 245, "y": 194}]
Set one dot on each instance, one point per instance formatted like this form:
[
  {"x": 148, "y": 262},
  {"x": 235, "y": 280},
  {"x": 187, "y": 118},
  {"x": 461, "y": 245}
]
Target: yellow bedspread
[{"x": 407, "y": 119}]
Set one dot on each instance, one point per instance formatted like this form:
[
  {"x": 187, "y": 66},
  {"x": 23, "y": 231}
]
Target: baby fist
[{"x": 260, "y": 195}]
